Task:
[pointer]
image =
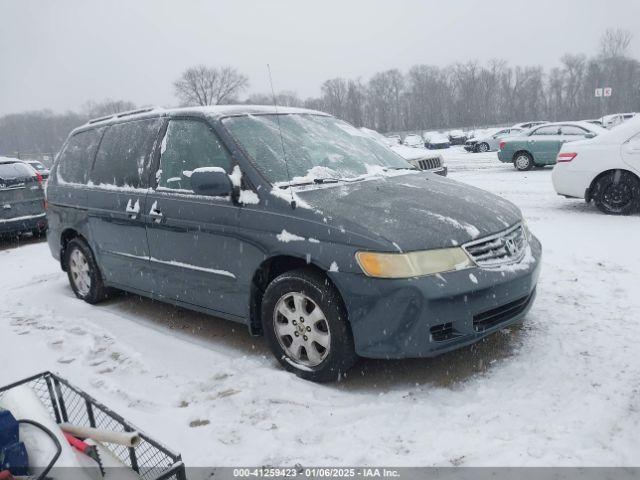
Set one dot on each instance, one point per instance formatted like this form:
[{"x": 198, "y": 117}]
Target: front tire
[
  {"x": 306, "y": 325},
  {"x": 617, "y": 193},
  {"x": 523, "y": 161},
  {"x": 83, "y": 272},
  {"x": 483, "y": 147}
]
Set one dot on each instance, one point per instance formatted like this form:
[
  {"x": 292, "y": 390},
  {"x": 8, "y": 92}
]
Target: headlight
[{"x": 413, "y": 264}]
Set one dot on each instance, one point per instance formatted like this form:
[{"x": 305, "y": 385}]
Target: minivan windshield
[{"x": 317, "y": 148}]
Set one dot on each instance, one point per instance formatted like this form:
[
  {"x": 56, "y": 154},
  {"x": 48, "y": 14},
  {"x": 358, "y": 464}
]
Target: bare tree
[
  {"x": 334, "y": 95},
  {"x": 355, "y": 103},
  {"x": 574, "y": 69},
  {"x": 202, "y": 85},
  {"x": 615, "y": 43}
]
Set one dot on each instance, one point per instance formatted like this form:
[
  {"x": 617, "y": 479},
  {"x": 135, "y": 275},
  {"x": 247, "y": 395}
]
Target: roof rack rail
[
  {"x": 122, "y": 114},
  {"x": 100, "y": 119},
  {"x": 134, "y": 112}
]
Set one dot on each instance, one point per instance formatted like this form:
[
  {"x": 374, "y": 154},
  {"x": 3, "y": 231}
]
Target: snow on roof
[
  {"x": 9, "y": 159},
  {"x": 621, "y": 133},
  {"x": 586, "y": 125},
  {"x": 213, "y": 111}
]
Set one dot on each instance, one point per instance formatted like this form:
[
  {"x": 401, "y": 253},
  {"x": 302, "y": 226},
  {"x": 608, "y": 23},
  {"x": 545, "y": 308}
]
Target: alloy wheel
[
  {"x": 522, "y": 162},
  {"x": 301, "y": 329},
  {"x": 80, "y": 272},
  {"x": 617, "y": 196}
]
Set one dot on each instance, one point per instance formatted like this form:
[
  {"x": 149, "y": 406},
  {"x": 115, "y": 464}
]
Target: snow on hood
[
  {"x": 411, "y": 153},
  {"x": 415, "y": 212}
]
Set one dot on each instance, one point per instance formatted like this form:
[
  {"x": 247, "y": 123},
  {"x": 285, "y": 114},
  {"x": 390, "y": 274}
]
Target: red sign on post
[{"x": 608, "y": 91}]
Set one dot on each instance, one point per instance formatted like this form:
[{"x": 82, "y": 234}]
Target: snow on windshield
[{"x": 302, "y": 147}]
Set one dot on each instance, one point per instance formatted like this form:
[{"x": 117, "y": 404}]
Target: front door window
[{"x": 187, "y": 145}]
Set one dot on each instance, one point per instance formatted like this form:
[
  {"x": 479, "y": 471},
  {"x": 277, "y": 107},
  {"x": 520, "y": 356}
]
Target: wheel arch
[
  {"x": 66, "y": 236},
  {"x": 269, "y": 269},
  {"x": 519, "y": 151}
]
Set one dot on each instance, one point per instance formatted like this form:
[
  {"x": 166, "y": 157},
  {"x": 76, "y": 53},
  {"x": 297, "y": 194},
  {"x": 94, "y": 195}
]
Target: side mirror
[
  {"x": 210, "y": 181},
  {"x": 590, "y": 135}
]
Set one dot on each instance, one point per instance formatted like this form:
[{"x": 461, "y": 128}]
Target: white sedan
[{"x": 605, "y": 169}]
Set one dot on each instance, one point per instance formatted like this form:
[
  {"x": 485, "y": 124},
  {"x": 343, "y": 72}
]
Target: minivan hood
[{"x": 416, "y": 211}]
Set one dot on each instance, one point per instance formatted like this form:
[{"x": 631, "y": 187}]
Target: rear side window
[
  {"x": 77, "y": 157},
  {"x": 550, "y": 130},
  {"x": 122, "y": 157}
]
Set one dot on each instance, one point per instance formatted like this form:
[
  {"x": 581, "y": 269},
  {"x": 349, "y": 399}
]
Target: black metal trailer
[{"x": 66, "y": 403}]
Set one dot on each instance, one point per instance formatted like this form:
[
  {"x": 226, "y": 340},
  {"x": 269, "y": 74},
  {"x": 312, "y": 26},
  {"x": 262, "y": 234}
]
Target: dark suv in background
[
  {"x": 294, "y": 223},
  {"x": 22, "y": 202}
]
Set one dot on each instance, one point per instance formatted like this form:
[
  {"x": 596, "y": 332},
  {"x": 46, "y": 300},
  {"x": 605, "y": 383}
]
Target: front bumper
[
  {"x": 427, "y": 316},
  {"x": 24, "y": 224}
]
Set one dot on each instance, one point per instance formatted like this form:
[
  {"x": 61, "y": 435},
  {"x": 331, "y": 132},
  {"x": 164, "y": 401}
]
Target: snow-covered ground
[{"x": 563, "y": 389}]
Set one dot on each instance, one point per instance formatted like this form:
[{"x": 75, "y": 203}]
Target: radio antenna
[{"x": 284, "y": 155}]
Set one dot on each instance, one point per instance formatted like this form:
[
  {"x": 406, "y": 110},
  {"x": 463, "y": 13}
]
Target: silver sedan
[{"x": 489, "y": 142}]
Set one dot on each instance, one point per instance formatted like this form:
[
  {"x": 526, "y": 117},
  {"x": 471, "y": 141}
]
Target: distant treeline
[
  {"x": 423, "y": 98},
  {"x": 38, "y": 133},
  {"x": 470, "y": 94}
]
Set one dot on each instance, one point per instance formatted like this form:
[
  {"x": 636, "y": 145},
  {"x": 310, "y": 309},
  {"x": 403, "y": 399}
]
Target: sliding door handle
[{"x": 156, "y": 215}]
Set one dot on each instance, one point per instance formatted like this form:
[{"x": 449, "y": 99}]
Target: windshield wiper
[
  {"x": 317, "y": 181},
  {"x": 329, "y": 180}
]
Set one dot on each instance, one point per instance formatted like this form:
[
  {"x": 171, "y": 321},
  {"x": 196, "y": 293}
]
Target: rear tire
[
  {"x": 617, "y": 193},
  {"x": 83, "y": 272},
  {"x": 306, "y": 325},
  {"x": 523, "y": 161}
]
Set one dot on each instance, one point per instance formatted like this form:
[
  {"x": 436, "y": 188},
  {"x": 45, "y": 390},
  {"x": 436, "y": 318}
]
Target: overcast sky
[{"x": 58, "y": 54}]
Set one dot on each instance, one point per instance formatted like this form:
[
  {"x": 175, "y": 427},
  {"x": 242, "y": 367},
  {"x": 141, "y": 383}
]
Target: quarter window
[
  {"x": 187, "y": 145},
  {"x": 77, "y": 157},
  {"x": 122, "y": 157}
]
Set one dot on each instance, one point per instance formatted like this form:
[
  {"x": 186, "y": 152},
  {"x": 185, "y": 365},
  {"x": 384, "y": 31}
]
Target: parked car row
[
  {"x": 539, "y": 146},
  {"x": 417, "y": 156},
  {"x": 610, "y": 121},
  {"x": 489, "y": 141},
  {"x": 432, "y": 140},
  {"x": 337, "y": 250},
  {"x": 591, "y": 162}
]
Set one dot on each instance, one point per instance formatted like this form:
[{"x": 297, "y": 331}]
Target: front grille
[
  {"x": 429, "y": 163},
  {"x": 500, "y": 249},
  {"x": 491, "y": 318}
]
